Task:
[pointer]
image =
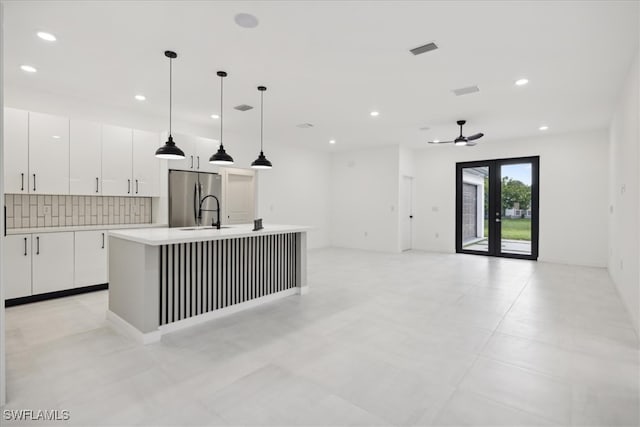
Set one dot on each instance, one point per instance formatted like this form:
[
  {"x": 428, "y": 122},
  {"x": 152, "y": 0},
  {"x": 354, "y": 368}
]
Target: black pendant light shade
[
  {"x": 170, "y": 150},
  {"x": 261, "y": 162},
  {"x": 221, "y": 157}
]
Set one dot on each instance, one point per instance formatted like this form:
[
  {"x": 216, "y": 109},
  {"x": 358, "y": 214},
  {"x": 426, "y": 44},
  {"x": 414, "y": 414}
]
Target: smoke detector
[{"x": 243, "y": 107}]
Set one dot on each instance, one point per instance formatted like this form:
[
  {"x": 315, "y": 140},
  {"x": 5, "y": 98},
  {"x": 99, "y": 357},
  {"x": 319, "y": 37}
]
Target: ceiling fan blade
[
  {"x": 471, "y": 144},
  {"x": 474, "y": 137},
  {"x": 441, "y": 142}
]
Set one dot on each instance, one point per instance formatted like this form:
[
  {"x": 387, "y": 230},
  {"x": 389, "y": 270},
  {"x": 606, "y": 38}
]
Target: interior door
[
  {"x": 239, "y": 196},
  {"x": 497, "y": 207},
  {"x": 406, "y": 212}
]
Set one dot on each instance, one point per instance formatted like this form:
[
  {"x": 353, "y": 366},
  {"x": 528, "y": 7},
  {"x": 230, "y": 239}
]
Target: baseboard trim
[
  {"x": 125, "y": 328},
  {"x": 57, "y": 294},
  {"x": 205, "y": 317}
]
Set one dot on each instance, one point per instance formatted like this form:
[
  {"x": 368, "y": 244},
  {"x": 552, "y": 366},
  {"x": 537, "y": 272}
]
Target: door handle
[
  {"x": 22, "y": 182},
  {"x": 102, "y": 240},
  {"x": 34, "y": 182},
  {"x": 191, "y": 162},
  {"x": 128, "y": 186},
  {"x": 195, "y": 203},
  {"x": 37, "y": 245},
  {"x": 25, "y": 246},
  {"x": 136, "y": 186},
  {"x": 198, "y": 162},
  {"x": 97, "y": 184}
]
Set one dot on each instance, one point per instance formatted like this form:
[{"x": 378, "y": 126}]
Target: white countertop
[
  {"x": 168, "y": 236},
  {"x": 39, "y": 230}
]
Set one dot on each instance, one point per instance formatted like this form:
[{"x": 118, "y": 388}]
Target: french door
[{"x": 497, "y": 207}]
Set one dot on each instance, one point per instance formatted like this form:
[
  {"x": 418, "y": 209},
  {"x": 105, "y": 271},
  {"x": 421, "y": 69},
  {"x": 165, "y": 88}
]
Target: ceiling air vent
[
  {"x": 243, "y": 107},
  {"x": 424, "y": 49},
  {"x": 466, "y": 90},
  {"x": 304, "y": 125}
]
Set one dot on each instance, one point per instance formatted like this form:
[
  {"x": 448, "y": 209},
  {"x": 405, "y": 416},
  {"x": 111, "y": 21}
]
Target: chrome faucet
[{"x": 216, "y": 210}]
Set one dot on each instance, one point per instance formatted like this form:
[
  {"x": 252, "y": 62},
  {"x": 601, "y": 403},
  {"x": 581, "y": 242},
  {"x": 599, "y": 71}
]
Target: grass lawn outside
[{"x": 513, "y": 229}]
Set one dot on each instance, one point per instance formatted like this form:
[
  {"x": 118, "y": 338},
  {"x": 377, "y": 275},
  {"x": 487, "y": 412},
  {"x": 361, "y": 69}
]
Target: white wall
[
  {"x": 573, "y": 193},
  {"x": 295, "y": 191},
  {"x": 624, "y": 194},
  {"x": 364, "y": 199},
  {"x": 3, "y": 376}
]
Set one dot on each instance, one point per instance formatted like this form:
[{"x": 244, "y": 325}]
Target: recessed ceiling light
[
  {"x": 246, "y": 20},
  {"x": 215, "y": 116},
  {"x": 543, "y": 127},
  {"x": 56, "y": 137},
  {"x": 332, "y": 141},
  {"x": 46, "y": 36},
  {"x": 140, "y": 97},
  {"x": 375, "y": 114},
  {"x": 521, "y": 82},
  {"x": 435, "y": 141},
  {"x": 28, "y": 68}
]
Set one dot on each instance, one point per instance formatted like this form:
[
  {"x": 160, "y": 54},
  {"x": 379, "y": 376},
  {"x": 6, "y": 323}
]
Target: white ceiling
[{"x": 331, "y": 63}]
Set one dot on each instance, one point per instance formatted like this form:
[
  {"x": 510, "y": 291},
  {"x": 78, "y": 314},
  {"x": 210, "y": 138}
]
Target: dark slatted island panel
[{"x": 200, "y": 277}]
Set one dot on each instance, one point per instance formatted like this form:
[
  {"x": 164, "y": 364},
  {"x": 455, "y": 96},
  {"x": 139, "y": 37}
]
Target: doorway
[
  {"x": 406, "y": 213},
  {"x": 497, "y": 207}
]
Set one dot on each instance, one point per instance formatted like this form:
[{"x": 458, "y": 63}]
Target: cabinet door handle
[
  {"x": 25, "y": 246},
  {"x": 34, "y": 182},
  {"x": 37, "y": 245},
  {"x": 97, "y": 184},
  {"x": 128, "y": 186},
  {"x": 22, "y": 182},
  {"x": 198, "y": 162},
  {"x": 102, "y": 240},
  {"x": 191, "y": 162},
  {"x": 136, "y": 186}
]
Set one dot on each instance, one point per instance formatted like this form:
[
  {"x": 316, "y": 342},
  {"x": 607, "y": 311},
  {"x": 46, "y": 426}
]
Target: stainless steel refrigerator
[{"x": 186, "y": 190}]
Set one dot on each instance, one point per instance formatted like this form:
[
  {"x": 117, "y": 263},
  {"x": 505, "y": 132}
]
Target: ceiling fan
[{"x": 461, "y": 140}]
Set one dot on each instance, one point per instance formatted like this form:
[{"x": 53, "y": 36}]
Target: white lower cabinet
[
  {"x": 90, "y": 256},
  {"x": 16, "y": 266},
  {"x": 52, "y": 262}
]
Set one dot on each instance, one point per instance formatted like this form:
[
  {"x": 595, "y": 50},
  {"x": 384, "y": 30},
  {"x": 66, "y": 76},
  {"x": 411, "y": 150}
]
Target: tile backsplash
[{"x": 37, "y": 210}]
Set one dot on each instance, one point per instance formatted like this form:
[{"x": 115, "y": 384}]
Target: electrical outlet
[
  {"x": 435, "y": 209},
  {"x": 437, "y": 235},
  {"x": 366, "y": 234},
  {"x": 47, "y": 210}
]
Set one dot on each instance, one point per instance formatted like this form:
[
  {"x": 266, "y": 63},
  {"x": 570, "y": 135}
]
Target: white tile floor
[{"x": 382, "y": 339}]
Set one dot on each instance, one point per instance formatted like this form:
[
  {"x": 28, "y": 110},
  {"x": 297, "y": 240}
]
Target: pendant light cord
[
  {"x": 221, "y": 109},
  {"x": 170, "y": 91},
  {"x": 261, "y": 118}
]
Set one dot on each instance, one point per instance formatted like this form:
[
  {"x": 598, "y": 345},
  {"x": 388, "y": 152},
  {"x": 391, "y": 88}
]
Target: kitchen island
[{"x": 165, "y": 279}]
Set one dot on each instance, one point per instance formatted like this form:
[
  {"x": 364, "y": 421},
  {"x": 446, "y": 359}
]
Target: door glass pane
[
  {"x": 515, "y": 205},
  {"x": 475, "y": 199}
]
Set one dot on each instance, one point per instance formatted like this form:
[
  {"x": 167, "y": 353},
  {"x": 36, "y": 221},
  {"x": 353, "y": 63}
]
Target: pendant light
[
  {"x": 170, "y": 150},
  {"x": 261, "y": 162},
  {"x": 221, "y": 157}
]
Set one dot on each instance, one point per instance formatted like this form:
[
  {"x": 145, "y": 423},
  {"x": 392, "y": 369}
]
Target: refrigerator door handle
[{"x": 196, "y": 200}]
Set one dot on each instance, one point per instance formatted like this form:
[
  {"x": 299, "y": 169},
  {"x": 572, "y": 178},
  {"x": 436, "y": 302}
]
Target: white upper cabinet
[
  {"x": 116, "y": 161},
  {"x": 16, "y": 151},
  {"x": 48, "y": 154},
  {"x": 85, "y": 148},
  {"x": 205, "y": 148},
  {"x": 146, "y": 166},
  {"x": 188, "y": 145}
]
